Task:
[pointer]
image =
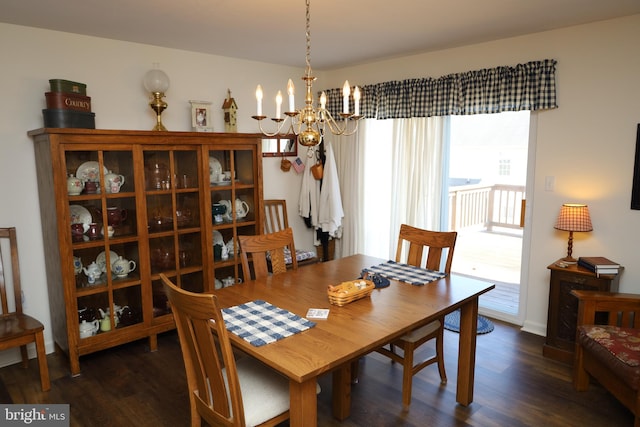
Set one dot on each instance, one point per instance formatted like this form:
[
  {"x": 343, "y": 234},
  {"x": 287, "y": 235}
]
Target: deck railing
[{"x": 486, "y": 206}]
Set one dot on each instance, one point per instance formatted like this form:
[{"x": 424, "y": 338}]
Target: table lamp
[
  {"x": 156, "y": 81},
  {"x": 573, "y": 217}
]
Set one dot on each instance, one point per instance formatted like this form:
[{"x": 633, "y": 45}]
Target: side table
[{"x": 563, "y": 307}]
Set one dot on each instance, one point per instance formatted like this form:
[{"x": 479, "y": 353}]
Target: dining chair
[
  {"x": 223, "y": 391},
  {"x": 259, "y": 246},
  {"x": 16, "y": 328},
  {"x": 275, "y": 215},
  {"x": 276, "y": 219},
  {"x": 437, "y": 244}
]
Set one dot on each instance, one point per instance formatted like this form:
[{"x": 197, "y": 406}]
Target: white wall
[
  {"x": 113, "y": 72},
  {"x": 587, "y": 144},
  {"x": 286, "y": 185}
]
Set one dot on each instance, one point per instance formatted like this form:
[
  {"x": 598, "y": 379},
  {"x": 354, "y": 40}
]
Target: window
[{"x": 504, "y": 167}]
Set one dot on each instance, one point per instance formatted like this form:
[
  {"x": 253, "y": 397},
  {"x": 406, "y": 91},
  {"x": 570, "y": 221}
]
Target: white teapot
[
  {"x": 113, "y": 182},
  {"x": 241, "y": 209},
  {"x": 92, "y": 271},
  {"x": 88, "y": 329},
  {"x": 122, "y": 267}
]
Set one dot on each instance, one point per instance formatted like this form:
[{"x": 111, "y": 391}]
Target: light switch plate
[{"x": 549, "y": 183}]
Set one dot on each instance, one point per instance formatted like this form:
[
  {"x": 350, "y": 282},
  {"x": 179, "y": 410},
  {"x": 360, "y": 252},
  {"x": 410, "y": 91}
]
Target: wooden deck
[{"x": 494, "y": 256}]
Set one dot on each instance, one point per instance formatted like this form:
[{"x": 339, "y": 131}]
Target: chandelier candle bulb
[
  {"x": 323, "y": 100},
  {"x": 346, "y": 91},
  {"x": 291, "y": 91},
  {"x": 356, "y": 101},
  {"x": 259, "y": 100},
  {"x": 278, "y": 104}
]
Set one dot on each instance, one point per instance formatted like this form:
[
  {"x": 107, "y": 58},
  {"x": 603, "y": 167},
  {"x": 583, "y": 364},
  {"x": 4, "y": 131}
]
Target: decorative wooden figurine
[{"x": 230, "y": 113}]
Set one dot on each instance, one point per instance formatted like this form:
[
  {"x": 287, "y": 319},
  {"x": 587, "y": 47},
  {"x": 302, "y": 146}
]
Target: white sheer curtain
[
  {"x": 348, "y": 154},
  {"x": 417, "y": 175},
  {"x": 391, "y": 173}
]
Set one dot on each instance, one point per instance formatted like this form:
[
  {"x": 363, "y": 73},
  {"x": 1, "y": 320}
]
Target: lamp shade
[
  {"x": 156, "y": 81},
  {"x": 574, "y": 217}
]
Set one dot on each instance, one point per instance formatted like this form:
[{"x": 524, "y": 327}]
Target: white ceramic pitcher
[{"x": 242, "y": 208}]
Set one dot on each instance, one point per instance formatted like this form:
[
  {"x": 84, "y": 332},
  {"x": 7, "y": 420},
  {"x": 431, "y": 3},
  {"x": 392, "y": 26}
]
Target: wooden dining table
[{"x": 353, "y": 330}]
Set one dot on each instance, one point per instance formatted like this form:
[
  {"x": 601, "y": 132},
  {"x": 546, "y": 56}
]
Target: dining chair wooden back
[
  {"x": 275, "y": 215},
  {"x": 276, "y": 219},
  {"x": 16, "y": 328},
  {"x": 223, "y": 390},
  {"x": 437, "y": 244},
  {"x": 259, "y": 246}
]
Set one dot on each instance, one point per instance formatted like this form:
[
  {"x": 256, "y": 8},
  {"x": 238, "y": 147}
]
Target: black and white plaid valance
[{"x": 530, "y": 86}]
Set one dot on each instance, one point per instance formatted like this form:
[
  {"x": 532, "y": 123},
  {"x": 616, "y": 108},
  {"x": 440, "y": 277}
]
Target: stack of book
[{"x": 599, "y": 265}]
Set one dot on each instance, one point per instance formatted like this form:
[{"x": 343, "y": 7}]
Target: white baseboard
[
  {"x": 12, "y": 356},
  {"x": 535, "y": 328}
]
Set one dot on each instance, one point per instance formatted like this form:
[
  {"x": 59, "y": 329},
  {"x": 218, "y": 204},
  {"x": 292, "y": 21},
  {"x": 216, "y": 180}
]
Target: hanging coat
[
  {"x": 330, "y": 212},
  {"x": 309, "y": 192}
]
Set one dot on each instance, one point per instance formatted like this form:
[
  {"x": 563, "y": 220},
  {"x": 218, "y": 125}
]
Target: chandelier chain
[{"x": 308, "y": 35}]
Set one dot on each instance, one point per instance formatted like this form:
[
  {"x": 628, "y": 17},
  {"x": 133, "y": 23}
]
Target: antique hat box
[
  {"x": 61, "y": 118},
  {"x": 68, "y": 86},
  {"x": 68, "y": 101}
]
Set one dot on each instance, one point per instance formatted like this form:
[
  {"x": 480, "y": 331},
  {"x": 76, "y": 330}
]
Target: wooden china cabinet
[{"x": 144, "y": 207}]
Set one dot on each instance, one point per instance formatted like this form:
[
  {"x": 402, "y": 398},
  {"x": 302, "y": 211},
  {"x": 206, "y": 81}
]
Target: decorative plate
[
  {"x": 101, "y": 260},
  {"x": 80, "y": 215},
  {"x": 215, "y": 169},
  {"x": 90, "y": 171}
]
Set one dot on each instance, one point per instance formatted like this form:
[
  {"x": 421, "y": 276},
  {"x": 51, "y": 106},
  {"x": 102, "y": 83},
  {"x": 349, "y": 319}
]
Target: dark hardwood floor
[{"x": 515, "y": 386}]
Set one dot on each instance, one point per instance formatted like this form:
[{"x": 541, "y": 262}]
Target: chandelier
[{"x": 309, "y": 123}]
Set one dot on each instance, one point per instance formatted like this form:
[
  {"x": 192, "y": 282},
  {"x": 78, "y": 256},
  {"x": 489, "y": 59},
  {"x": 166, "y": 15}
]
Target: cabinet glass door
[
  {"x": 104, "y": 236},
  {"x": 233, "y": 191},
  {"x": 173, "y": 214}
]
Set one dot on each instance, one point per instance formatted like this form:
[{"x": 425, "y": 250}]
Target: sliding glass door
[{"x": 488, "y": 158}]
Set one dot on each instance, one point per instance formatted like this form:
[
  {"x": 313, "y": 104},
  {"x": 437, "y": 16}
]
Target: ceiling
[{"x": 343, "y": 32}]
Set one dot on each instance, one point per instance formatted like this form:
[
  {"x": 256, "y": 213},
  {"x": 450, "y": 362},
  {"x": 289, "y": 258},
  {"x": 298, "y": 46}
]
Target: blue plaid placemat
[
  {"x": 260, "y": 323},
  {"x": 406, "y": 273}
]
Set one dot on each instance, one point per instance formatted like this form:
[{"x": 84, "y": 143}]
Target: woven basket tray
[{"x": 350, "y": 291}]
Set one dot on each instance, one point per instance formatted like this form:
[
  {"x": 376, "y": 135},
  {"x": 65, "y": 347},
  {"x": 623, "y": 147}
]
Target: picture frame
[
  {"x": 201, "y": 119},
  {"x": 635, "y": 191}
]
